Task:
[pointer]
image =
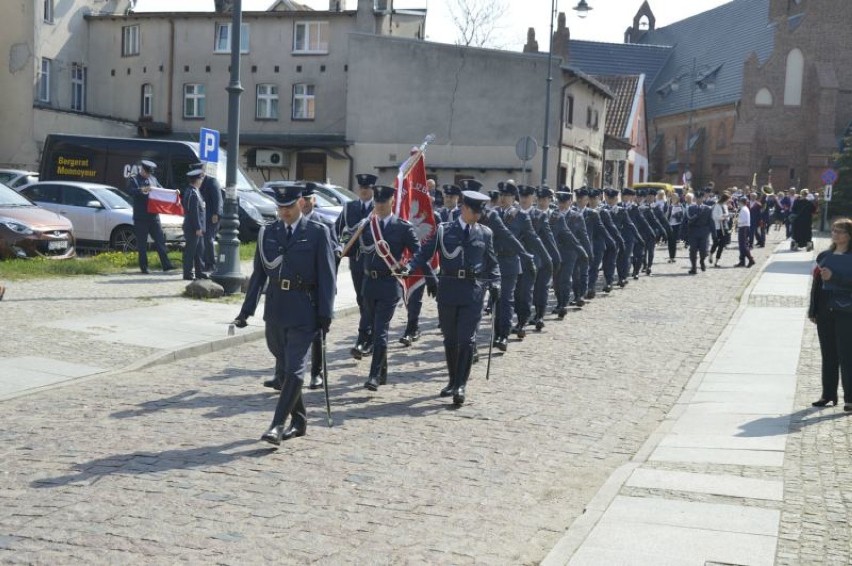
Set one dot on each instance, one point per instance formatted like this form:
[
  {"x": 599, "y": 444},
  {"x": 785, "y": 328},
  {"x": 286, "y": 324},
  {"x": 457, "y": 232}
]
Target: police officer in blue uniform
[
  {"x": 509, "y": 259},
  {"x": 629, "y": 233},
  {"x": 211, "y": 192},
  {"x": 295, "y": 256},
  {"x": 598, "y": 235},
  {"x": 310, "y": 212},
  {"x": 468, "y": 267},
  {"x": 450, "y": 210},
  {"x": 657, "y": 229},
  {"x": 414, "y": 306},
  {"x": 382, "y": 244},
  {"x": 577, "y": 224},
  {"x": 194, "y": 219},
  {"x": 145, "y": 223},
  {"x": 350, "y": 217},
  {"x": 699, "y": 226},
  {"x": 615, "y": 243},
  {"x": 570, "y": 249},
  {"x": 532, "y": 290}
]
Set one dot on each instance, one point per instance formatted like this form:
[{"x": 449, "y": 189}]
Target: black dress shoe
[
  {"x": 501, "y": 344},
  {"x": 703, "y": 267},
  {"x": 693, "y": 271},
  {"x": 372, "y": 383},
  {"x": 447, "y": 391},
  {"x": 475, "y": 356},
  {"x": 824, "y": 403},
  {"x": 272, "y": 384},
  {"x": 607, "y": 288},
  {"x": 539, "y": 324},
  {"x": 458, "y": 396},
  {"x": 169, "y": 268},
  {"x": 636, "y": 277},
  {"x": 522, "y": 333},
  {"x": 406, "y": 340},
  {"x": 847, "y": 407},
  {"x": 357, "y": 351},
  {"x": 316, "y": 381},
  {"x": 623, "y": 283},
  {"x": 740, "y": 264},
  {"x": 202, "y": 275},
  {"x": 515, "y": 329},
  {"x": 144, "y": 271},
  {"x": 561, "y": 313},
  {"x": 274, "y": 435},
  {"x": 751, "y": 262},
  {"x": 580, "y": 303},
  {"x": 188, "y": 278},
  {"x": 296, "y": 429},
  {"x": 589, "y": 296}
]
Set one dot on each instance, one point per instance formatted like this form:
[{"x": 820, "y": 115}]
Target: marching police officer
[
  {"x": 610, "y": 257},
  {"x": 194, "y": 220},
  {"x": 649, "y": 237},
  {"x": 383, "y": 241},
  {"x": 577, "y": 224},
  {"x": 468, "y": 267},
  {"x": 699, "y": 226},
  {"x": 570, "y": 248},
  {"x": 598, "y": 235},
  {"x": 350, "y": 218},
  {"x": 451, "y": 198},
  {"x": 629, "y": 233},
  {"x": 295, "y": 256},
  {"x": 413, "y": 307},
  {"x": 646, "y": 198},
  {"x": 145, "y": 223},
  {"x": 540, "y": 242}
]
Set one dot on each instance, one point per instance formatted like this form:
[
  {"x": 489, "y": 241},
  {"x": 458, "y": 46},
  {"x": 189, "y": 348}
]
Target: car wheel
[{"x": 123, "y": 239}]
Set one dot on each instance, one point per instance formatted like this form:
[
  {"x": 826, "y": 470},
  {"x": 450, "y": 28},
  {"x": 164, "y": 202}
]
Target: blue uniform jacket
[
  {"x": 648, "y": 214},
  {"x": 211, "y": 192},
  {"x": 623, "y": 221},
  {"x": 505, "y": 243},
  {"x": 564, "y": 236},
  {"x": 596, "y": 229},
  {"x": 699, "y": 221},
  {"x": 448, "y": 214},
  {"x": 335, "y": 243},
  {"x": 194, "y": 217},
  {"x": 577, "y": 224},
  {"x": 348, "y": 221},
  {"x": 304, "y": 265},
  {"x": 400, "y": 236},
  {"x": 468, "y": 267},
  {"x": 608, "y": 222},
  {"x": 140, "y": 199},
  {"x": 641, "y": 222},
  {"x": 660, "y": 215},
  {"x": 541, "y": 225}
]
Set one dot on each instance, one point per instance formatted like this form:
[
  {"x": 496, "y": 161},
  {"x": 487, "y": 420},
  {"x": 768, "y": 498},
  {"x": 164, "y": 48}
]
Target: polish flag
[{"x": 164, "y": 201}]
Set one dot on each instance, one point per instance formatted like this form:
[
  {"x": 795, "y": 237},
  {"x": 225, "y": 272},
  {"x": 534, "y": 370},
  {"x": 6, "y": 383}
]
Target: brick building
[{"x": 752, "y": 87}]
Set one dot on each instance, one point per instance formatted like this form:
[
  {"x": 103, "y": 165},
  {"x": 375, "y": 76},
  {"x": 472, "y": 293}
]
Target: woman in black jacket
[{"x": 831, "y": 310}]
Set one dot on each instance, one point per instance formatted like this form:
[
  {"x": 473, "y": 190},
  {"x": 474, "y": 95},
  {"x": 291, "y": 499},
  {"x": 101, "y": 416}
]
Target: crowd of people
[{"x": 501, "y": 252}]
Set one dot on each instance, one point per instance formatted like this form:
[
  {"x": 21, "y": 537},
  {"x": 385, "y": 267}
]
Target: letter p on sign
[{"x": 209, "y": 142}]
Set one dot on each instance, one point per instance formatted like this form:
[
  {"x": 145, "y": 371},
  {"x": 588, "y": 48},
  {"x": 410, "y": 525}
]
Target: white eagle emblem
[{"x": 422, "y": 228}]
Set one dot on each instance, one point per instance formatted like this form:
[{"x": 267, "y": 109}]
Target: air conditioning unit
[{"x": 271, "y": 158}]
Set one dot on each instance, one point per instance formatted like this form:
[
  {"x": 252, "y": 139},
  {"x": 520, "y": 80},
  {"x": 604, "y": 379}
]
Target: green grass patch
[{"x": 101, "y": 264}]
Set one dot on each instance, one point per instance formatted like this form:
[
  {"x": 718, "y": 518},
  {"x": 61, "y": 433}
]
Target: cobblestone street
[{"x": 163, "y": 465}]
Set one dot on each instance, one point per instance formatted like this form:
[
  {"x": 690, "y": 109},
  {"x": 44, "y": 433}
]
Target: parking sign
[{"x": 209, "y": 142}]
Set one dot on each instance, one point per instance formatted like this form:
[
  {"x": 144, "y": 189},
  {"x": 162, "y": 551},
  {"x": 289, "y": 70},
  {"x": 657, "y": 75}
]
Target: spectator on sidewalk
[
  {"x": 801, "y": 219},
  {"x": 743, "y": 229},
  {"x": 831, "y": 311}
]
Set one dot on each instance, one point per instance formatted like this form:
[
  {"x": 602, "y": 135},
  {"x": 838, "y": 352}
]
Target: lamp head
[{"x": 582, "y": 8}]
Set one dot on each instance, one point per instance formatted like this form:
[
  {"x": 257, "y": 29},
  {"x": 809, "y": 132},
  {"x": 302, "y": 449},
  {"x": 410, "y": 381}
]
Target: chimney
[
  {"x": 223, "y": 6},
  {"x": 531, "y": 45},
  {"x": 365, "y": 17},
  {"x": 561, "y": 37},
  {"x": 336, "y": 5}
]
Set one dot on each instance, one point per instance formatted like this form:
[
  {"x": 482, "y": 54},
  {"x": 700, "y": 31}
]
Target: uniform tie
[
  {"x": 466, "y": 232},
  {"x": 289, "y": 232},
  {"x": 363, "y": 209}
]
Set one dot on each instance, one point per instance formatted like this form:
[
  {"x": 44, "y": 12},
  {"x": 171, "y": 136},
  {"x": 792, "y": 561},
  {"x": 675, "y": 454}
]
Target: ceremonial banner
[
  {"x": 414, "y": 203},
  {"x": 164, "y": 201}
]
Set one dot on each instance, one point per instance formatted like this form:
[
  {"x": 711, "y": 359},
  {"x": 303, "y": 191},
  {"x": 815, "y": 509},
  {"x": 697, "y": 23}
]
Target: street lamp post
[{"x": 228, "y": 273}]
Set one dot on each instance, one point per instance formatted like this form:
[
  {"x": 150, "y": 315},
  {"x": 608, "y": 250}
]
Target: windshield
[
  {"x": 323, "y": 202},
  {"x": 112, "y": 198},
  {"x": 8, "y": 197},
  {"x": 243, "y": 182}
]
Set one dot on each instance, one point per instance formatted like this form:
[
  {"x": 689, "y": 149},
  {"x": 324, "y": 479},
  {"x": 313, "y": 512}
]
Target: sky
[{"x": 607, "y": 20}]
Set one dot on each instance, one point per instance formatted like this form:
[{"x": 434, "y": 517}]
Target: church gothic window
[
  {"x": 763, "y": 97},
  {"x": 794, "y": 79}
]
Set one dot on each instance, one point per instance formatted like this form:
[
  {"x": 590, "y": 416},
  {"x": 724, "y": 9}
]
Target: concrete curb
[
  {"x": 169, "y": 356},
  {"x": 582, "y": 526}
]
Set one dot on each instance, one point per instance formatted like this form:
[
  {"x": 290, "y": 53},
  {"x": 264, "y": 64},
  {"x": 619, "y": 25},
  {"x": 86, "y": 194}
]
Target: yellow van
[{"x": 655, "y": 186}]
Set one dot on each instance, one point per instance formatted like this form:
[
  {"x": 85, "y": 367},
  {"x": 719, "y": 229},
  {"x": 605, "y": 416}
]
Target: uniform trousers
[
  {"x": 414, "y": 306},
  {"x": 674, "y": 238},
  {"x": 598, "y": 250},
  {"x": 580, "y": 277},
  {"x": 542, "y": 280},
  {"x": 698, "y": 248},
  {"x": 378, "y": 309},
  {"x": 638, "y": 255},
  {"x": 524, "y": 296},
  {"x": 565, "y": 276},
  {"x": 834, "y": 329},
  {"x": 609, "y": 260},
  {"x": 622, "y": 262},
  {"x": 193, "y": 252},
  {"x": 143, "y": 228},
  {"x": 356, "y": 268},
  {"x": 509, "y": 267},
  {"x": 459, "y": 324},
  {"x": 211, "y": 229},
  {"x": 290, "y": 346}
]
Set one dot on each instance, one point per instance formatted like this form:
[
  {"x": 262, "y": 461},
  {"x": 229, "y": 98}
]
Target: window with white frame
[
  {"x": 310, "y": 37},
  {"x": 569, "y": 110},
  {"x": 193, "y": 101},
  {"x": 303, "y": 102},
  {"x": 44, "y": 80},
  {"x": 129, "y": 41},
  {"x": 48, "y": 11},
  {"x": 147, "y": 108},
  {"x": 267, "y": 102},
  {"x": 78, "y": 87},
  {"x": 222, "y": 39}
]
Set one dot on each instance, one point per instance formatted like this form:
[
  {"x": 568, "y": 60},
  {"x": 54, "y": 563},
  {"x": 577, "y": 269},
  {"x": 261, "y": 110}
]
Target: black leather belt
[
  {"x": 373, "y": 274},
  {"x": 292, "y": 285},
  {"x": 461, "y": 274}
]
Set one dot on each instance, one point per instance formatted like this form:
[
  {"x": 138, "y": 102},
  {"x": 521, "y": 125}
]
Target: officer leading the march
[
  {"x": 295, "y": 256},
  {"x": 350, "y": 217},
  {"x": 468, "y": 267},
  {"x": 383, "y": 241},
  {"x": 146, "y": 223}
]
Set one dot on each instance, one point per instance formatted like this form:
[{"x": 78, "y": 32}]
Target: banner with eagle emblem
[{"x": 414, "y": 203}]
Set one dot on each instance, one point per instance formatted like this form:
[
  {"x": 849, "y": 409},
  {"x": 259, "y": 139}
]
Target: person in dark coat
[
  {"x": 295, "y": 256},
  {"x": 571, "y": 250},
  {"x": 801, "y": 214},
  {"x": 533, "y": 241},
  {"x": 831, "y": 310},
  {"x": 699, "y": 218},
  {"x": 194, "y": 219},
  {"x": 145, "y": 223},
  {"x": 468, "y": 267},
  {"x": 615, "y": 245},
  {"x": 211, "y": 192}
]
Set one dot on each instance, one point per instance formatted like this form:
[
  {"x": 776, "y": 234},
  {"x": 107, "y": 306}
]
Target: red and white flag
[
  {"x": 164, "y": 201},
  {"x": 414, "y": 203}
]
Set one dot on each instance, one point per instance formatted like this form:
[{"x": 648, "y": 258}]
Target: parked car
[
  {"x": 111, "y": 161},
  {"x": 102, "y": 215},
  {"x": 16, "y": 178},
  {"x": 336, "y": 195},
  {"x": 324, "y": 207},
  {"x": 26, "y": 230}
]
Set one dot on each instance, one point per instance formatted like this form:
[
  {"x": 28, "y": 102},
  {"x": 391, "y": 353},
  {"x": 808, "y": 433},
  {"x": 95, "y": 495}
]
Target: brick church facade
[{"x": 752, "y": 88}]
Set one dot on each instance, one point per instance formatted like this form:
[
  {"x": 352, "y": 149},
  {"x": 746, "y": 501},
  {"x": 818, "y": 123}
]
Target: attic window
[
  {"x": 706, "y": 79},
  {"x": 644, "y": 23}
]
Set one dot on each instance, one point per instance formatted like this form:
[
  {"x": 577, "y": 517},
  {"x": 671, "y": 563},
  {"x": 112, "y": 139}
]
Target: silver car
[{"x": 102, "y": 215}]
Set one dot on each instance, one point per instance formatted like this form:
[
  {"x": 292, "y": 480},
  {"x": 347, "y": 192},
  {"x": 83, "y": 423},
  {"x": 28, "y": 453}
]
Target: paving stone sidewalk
[{"x": 163, "y": 465}]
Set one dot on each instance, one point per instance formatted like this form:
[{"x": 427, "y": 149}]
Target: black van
[{"x": 110, "y": 161}]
